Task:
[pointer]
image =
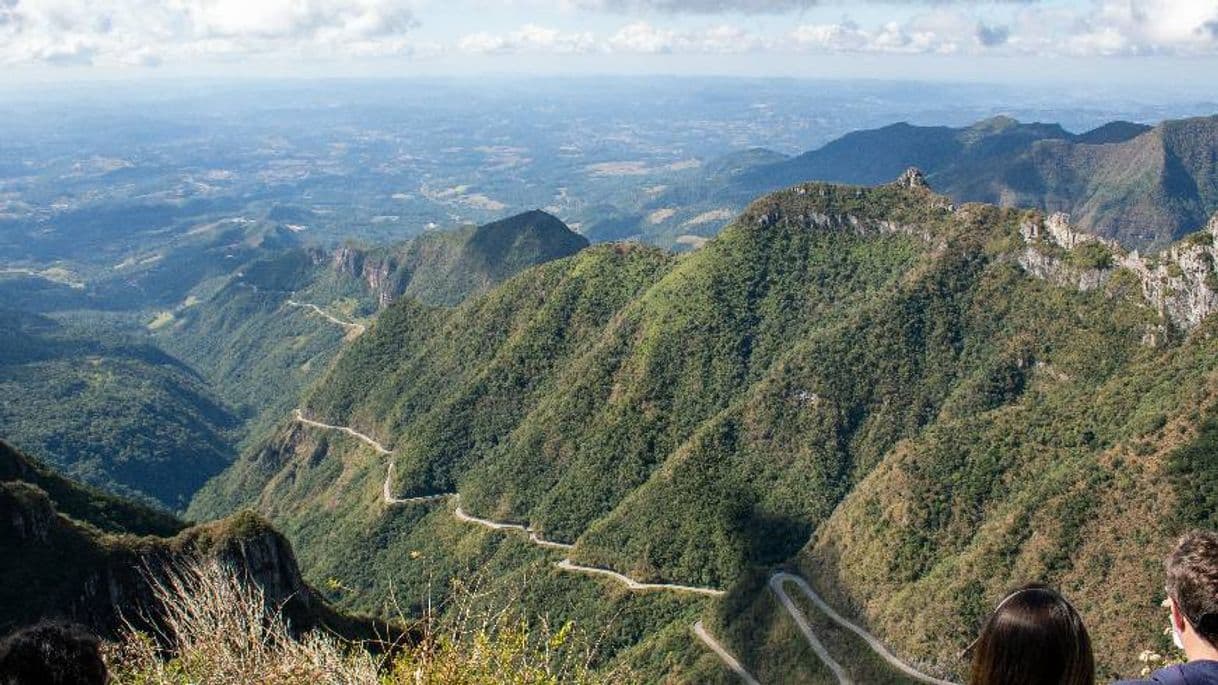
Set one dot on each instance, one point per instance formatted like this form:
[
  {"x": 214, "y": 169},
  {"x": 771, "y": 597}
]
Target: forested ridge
[{"x": 700, "y": 418}]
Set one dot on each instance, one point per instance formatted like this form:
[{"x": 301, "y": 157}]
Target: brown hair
[
  {"x": 1192, "y": 580},
  {"x": 1034, "y": 636}
]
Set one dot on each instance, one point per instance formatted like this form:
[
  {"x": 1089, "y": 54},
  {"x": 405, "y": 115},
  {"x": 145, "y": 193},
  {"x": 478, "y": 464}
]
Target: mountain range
[
  {"x": 1141, "y": 185},
  {"x": 154, "y": 411},
  {"x": 889, "y": 392}
]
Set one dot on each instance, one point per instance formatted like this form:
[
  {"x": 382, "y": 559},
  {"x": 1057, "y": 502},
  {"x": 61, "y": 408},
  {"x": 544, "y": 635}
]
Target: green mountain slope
[
  {"x": 114, "y": 411},
  {"x": 815, "y": 373},
  {"x": 264, "y": 337}
]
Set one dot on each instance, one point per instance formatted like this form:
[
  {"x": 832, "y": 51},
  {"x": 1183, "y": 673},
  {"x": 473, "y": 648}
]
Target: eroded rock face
[
  {"x": 268, "y": 560},
  {"x": 347, "y": 261},
  {"x": 376, "y": 271},
  {"x": 25, "y": 514},
  {"x": 1181, "y": 282},
  {"x": 1054, "y": 270}
]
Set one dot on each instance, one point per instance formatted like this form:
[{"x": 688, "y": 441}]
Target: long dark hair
[{"x": 1034, "y": 637}]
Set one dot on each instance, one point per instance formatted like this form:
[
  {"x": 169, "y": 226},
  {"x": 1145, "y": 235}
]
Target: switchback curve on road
[
  {"x": 358, "y": 328},
  {"x": 776, "y": 585},
  {"x": 349, "y": 431},
  {"x": 568, "y": 565},
  {"x": 805, "y": 627},
  {"x": 387, "y": 494}
]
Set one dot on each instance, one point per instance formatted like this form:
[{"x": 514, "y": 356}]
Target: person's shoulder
[{"x": 1192, "y": 673}]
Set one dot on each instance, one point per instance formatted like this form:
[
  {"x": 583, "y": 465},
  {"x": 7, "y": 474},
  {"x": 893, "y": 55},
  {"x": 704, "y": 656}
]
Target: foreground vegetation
[{"x": 219, "y": 629}]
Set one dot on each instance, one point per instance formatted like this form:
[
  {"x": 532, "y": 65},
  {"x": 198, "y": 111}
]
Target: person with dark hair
[
  {"x": 52, "y": 653},
  {"x": 1034, "y": 637},
  {"x": 1192, "y": 598}
]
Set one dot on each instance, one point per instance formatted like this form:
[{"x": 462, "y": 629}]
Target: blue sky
[{"x": 1089, "y": 41}]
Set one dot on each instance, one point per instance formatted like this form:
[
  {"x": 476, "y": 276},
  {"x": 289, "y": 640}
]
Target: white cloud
[
  {"x": 642, "y": 37},
  {"x": 635, "y": 38},
  {"x": 1105, "y": 27},
  {"x": 749, "y": 6},
  {"x": 1148, "y": 27},
  {"x": 529, "y": 38},
  {"x": 694, "y": 6},
  {"x": 118, "y": 32},
  {"x": 919, "y": 36},
  {"x": 149, "y": 32}
]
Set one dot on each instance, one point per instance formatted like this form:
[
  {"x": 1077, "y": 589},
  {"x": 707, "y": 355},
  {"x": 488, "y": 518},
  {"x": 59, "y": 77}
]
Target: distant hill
[
  {"x": 1140, "y": 185},
  {"x": 70, "y": 551},
  {"x": 1143, "y": 186},
  {"x": 879, "y": 155},
  {"x": 445, "y": 267},
  {"x": 840, "y": 364}
]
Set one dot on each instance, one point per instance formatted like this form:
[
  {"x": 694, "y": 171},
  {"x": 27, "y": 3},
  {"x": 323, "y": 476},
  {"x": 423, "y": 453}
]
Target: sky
[{"x": 1166, "y": 43}]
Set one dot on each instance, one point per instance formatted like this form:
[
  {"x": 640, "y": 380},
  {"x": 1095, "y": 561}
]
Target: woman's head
[{"x": 1034, "y": 637}]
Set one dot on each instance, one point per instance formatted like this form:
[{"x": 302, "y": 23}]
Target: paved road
[
  {"x": 390, "y": 499},
  {"x": 801, "y": 620},
  {"x": 353, "y": 433},
  {"x": 724, "y": 655},
  {"x": 359, "y": 328},
  {"x": 568, "y": 565},
  {"x": 776, "y": 584},
  {"x": 498, "y": 525}
]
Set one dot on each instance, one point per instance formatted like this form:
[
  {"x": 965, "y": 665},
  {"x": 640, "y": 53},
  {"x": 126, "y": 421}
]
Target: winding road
[
  {"x": 776, "y": 583},
  {"x": 390, "y": 499},
  {"x": 349, "y": 431},
  {"x": 801, "y": 620},
  {"x": 496, "y": 525},
  {"x": 724, "y": 655},
  {"x": 358, "y": 328},
  {"x": 567, "y": 565}
]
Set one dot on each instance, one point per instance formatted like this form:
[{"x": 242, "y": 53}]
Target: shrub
[
  {"x": 218, "y": 629},
  {"x": 1092, "y": 255}
]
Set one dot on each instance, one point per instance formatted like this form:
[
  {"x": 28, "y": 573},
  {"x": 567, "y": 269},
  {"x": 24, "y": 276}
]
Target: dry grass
[{"x": 217, "y": 629}]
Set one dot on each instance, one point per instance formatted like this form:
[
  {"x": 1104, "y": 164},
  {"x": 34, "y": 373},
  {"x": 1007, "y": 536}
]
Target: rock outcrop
[
  {"x": 1181, "y": 282},
  {"x": 375, "y": 269},
  {"x": 913, "y": 178}
]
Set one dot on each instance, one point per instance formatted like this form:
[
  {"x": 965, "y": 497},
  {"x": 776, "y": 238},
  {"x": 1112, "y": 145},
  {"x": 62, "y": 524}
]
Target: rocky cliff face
[
  {"x": 1181, "y": 282},
  {"x": 374, "y": 269}
]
